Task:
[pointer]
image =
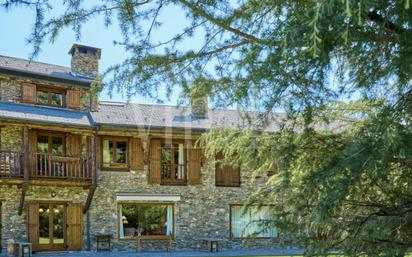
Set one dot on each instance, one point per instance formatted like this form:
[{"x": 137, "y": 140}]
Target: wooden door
[
  {"x": 47, "y": 226},
  {"x": 75, "y": 226}
]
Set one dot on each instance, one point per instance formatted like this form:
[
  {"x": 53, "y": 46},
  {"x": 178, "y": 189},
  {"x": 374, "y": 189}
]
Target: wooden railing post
[
  {"x": 26, "y": 153},
  {"x": 25, "y": 168},
  {"x": 93, "y": 166}
]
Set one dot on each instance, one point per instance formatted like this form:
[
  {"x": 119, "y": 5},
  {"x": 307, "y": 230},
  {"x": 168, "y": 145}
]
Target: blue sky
[{"x": 16, "y": 25}]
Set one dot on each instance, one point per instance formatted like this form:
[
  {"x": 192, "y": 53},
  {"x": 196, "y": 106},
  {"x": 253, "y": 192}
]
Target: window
[
  {"x": 145, "y": 220},
  {"x": 173, "y": 163},
  {"x": 51, "y": 97},
  {"x": 115, "y": 153},
  {"x": 50, "y": 143},
  {"x": 253, "y": 222}
]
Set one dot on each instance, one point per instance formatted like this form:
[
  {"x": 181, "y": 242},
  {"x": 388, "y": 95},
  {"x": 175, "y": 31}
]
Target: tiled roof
[
  {"x": 164, "y": 116},
  {"x": 38, "y": 68},
  {"x": 43, "y": 114}
]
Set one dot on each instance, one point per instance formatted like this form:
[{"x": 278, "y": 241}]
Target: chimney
[
  {"x": 85, "y": 60},
  {"x": 200, "y": 106}
]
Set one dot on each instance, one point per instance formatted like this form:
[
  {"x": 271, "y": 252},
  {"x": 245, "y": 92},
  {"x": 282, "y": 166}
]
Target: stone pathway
[{"x": 174, "y": 254}]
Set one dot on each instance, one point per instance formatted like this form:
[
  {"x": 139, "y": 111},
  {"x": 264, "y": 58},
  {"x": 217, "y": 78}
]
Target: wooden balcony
[
  {"x": 174, "y": 174},
  {"x": 46, "y": 169}
]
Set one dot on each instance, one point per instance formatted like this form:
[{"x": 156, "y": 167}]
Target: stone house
[{"x": 73, "y": 168}]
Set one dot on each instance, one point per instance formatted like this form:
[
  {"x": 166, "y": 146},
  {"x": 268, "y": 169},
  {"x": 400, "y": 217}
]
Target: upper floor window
[
  {"x": 50, "y": 97},
  {"x": 50, "y": 143},
  {"x": 115, "y": 153},
  {"x": 173, "y": 163}
]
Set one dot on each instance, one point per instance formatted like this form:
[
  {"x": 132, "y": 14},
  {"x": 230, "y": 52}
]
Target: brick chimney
[{"x": 85, "y": 60}]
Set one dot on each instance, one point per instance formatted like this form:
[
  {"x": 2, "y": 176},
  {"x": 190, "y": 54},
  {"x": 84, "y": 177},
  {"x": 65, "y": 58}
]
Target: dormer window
[{"x": 51, "y": 97}]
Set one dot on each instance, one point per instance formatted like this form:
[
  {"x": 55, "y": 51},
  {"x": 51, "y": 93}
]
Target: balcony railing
[
  {"x": 60, "y": 167},
  {"x": 45, "y": 166},
  {"x": 11, "y": 164},
  {"x": 174, "y": 174}
]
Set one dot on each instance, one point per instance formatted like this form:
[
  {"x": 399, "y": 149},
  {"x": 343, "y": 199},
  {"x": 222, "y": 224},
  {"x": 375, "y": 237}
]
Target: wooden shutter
[
  {"x": 73, "y": 99},
  {"x": 155, "y": 162},
  {"x": 136, "y": 155},
  {"x": 75, "y": 227},
  {"x": 74, "y": 143},
  {"x": 194, "y": 158},
  {"x": 28, "y": 93},
  {"x": 33, "y": 225},
  {"x": 226, "y": 175}
]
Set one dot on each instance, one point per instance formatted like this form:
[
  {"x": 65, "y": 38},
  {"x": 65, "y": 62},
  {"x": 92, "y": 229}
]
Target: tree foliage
[{"x": 346, "y": 188}]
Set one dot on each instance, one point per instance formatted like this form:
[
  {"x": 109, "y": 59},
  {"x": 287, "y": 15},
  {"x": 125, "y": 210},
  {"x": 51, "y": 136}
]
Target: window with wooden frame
[
  {"x": 154, "y": 220},
  {"x": 50, "y": 96},
  {"x": 173, "y": 163},
  {"x": 51, "y": 143},
  {"x": 115, "y": 153},
  {"x": 253, "y": 222}
]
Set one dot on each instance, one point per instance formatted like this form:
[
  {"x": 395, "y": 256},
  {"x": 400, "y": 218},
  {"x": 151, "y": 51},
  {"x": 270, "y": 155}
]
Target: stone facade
[
  {"x": 11, "y": 138},
  {"x": 202, "y": 212},
  {"x": 85, "y": 61},
  {"x": 10, "y": 90}
]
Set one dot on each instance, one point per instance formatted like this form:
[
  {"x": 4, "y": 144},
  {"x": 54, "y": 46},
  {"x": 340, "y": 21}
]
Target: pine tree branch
[
  {"x": 221, "y": 23},
  {"x": 375, "y": 17}
]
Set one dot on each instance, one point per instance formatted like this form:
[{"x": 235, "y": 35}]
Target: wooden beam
[
  {"x": 26, "y": 154},
  {"x": 62, "y": 128},
  {"x": 89, "y": 199},
  {"x": 22, "y": 197}
]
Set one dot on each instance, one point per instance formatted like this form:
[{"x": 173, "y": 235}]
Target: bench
[
  {"x": 212, "y": 243},
  {"x": 168, "y": 239},
  {"x": 21, "y": 248}
]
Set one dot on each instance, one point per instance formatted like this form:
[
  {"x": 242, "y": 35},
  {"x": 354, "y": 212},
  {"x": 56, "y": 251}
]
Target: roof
[
  {"x": 164, "y": 116},
  {"x": 44, "y": 114},
  {"x": 44, "y": 71}
]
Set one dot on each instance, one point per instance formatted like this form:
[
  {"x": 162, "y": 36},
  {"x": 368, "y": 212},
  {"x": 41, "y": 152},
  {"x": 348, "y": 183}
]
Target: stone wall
[
  {"x": 11, "y": 138},
  {"x": 85, "y": 64},
  {"x": 15, "y": 226},
  {"x": 202, "y": 212},
  {"x": 10, "y": 90}
]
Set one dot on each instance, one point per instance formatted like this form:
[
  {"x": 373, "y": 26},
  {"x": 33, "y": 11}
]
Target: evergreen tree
[{"x": 343, "y": 176}]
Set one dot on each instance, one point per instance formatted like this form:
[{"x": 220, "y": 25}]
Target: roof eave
[
  {"x": 48, "y": 78},
  {"x": 146, "y": 127}
]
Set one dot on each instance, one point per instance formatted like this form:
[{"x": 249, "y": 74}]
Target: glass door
[{"x": 52, "y": 226}]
